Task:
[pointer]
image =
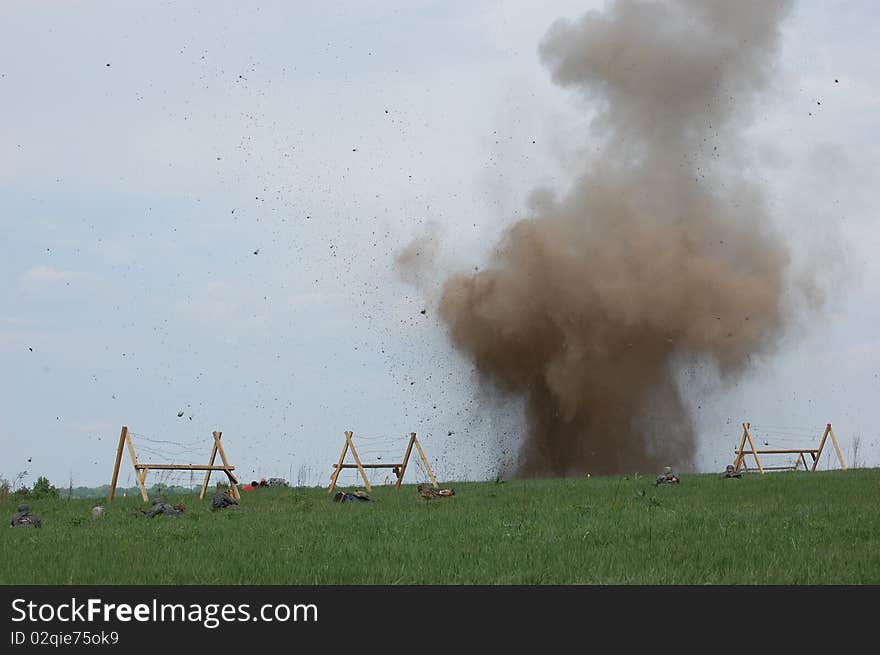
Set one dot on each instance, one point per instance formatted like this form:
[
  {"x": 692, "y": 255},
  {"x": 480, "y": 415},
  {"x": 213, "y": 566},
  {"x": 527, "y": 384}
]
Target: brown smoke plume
[{"x": 663, "y": 247}]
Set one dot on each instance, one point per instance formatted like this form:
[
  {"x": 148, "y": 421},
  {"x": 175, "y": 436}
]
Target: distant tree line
[
  {"x": 158, "y": 489},
  {"x": 43, "y": 489}
]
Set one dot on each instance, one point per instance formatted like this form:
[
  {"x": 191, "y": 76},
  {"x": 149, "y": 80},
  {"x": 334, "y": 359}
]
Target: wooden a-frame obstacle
[
  {"x": 141, "y": 469},
  {"x": 814, "y": 453},
  {"x": 399, "y": 469}
]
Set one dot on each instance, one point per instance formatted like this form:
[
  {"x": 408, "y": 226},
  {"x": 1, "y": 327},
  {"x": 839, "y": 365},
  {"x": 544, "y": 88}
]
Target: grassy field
[{"x": 785, "y": 528}]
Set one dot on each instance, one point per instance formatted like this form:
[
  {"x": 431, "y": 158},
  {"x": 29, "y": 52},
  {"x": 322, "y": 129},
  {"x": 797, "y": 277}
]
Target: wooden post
[
  {"x": 122, "y": 436},
  {"x": 338, "y": 465},
  {"x": 836, "y": 447},
  {"x": 829, "y": 432},
  {"x": 137, "y": 471},
  {"x": 401, "y": 468},
  {"x": 740, "y": 452},
  {"x": 815, "y": 454},
  {"x": 802, "y": 459},
  {"x": 233, "y": 481},
  {"x": 740, "y": 457},
  {"x": 821, "y": 445},
  {"x": 412, "y": 438},
  {"x": 141, "y": 470},
  {"x": 425, "y": 461},
  {"x": 357, "y": 460},
  {"x": 746, "y": 426},
  {"x": 142, "y": 479},
  {"x": 208, "y": 472}
]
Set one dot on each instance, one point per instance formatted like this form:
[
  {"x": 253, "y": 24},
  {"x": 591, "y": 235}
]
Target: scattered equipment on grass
[{"x": 428, "y": 492}]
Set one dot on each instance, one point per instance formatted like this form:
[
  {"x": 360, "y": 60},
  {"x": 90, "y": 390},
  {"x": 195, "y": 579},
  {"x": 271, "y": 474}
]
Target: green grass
[{"x": 784, "y": 528}]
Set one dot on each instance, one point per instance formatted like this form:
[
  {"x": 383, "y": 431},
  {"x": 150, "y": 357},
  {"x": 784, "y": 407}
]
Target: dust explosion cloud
[{"x": 662, "y": 248}]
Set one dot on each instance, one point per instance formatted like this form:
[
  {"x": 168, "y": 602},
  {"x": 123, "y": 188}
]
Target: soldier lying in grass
[
  {"x": 667, "y": 477},
  {"x": 427, "y": 491},
  {"x": 161, "y": 507},
  {"x": 730, "y": 472},
  {"x": 222, "y": 500},
  {"x": 357, "y": 496},
  {"x": 24, "y": 519}
]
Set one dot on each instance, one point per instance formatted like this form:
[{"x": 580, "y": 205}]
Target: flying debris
[{"x": 558, "y": 316}]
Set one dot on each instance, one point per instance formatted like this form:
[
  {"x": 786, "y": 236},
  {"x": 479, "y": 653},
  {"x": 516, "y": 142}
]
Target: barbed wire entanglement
[
  {"x": 378, "y": 459},
  {"x": 374, "y": 449},
  {"x": 172, "y": 466},
  {"x": 422, "y": 476},
  {"x": 171, "y": 452},
  {"x": 785, "y": 447},
  {"x": 168, "y": 451}
]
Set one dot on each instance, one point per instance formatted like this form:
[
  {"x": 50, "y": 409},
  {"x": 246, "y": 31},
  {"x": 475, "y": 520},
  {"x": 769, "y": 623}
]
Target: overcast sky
[{"x": 201, "y": 205}]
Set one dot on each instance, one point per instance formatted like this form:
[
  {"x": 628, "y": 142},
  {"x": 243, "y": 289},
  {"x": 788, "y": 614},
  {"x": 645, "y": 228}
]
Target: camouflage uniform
[
  {"x": 160, "y": 507},
  {"x": 222, "y": 499},
  {"x": 357, "y": 496},
  {"x": 667, "y": 477},
  {"x": 427, "y": 491},
  {"x": 24, "y": 519},
  {"x": 730, "y": 472}
]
